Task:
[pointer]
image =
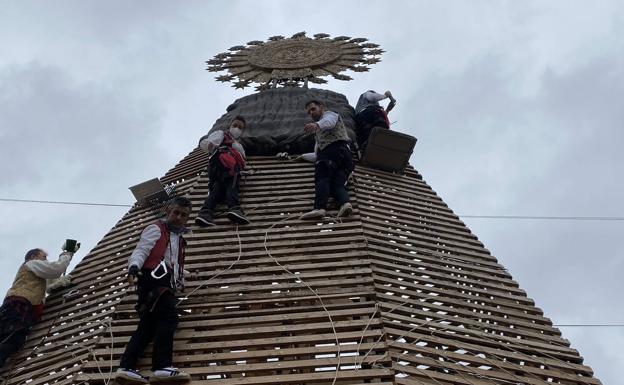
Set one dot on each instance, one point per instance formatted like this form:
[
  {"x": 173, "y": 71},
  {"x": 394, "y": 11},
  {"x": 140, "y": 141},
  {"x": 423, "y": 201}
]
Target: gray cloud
[{"x": 63, "y": 133}]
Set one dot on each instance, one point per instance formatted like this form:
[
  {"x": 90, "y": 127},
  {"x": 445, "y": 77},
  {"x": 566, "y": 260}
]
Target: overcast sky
[{"x": 517, "y": 106}]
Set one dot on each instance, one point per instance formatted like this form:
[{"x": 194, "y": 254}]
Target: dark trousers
[
  {"x": 12, "y": 341},
  {"x": 373, "y": 116},
  {"x": 158, "y": 325},
  {"x": 16, "y": 318},
  {"x": 333, "y": 166},
  {"x": 225, "y": 189}
]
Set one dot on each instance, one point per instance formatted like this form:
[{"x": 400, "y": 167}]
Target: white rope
[
  {"x": 204, "y": 283},
  {"x": 266, "y": 234},
  {"x": 357, "y": 352}
]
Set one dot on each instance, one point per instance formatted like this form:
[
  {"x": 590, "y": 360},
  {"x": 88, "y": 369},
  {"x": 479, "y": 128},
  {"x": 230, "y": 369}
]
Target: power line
[
  {"x": 590, "y": 326},
  {"x": 63, "y": 202},
  {"x": 566, "y": 218}
]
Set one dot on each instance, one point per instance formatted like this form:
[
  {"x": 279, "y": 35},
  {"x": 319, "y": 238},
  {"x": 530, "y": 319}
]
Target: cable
[
  {"x": 539, "y": 217},
  {"x": 569, "y": 218},
  {"x": 589, "y": 325},
  {"x": 298, "y": 278},
  {"x": 63, "y": 202},
  {"x": 240, "y": 253}
]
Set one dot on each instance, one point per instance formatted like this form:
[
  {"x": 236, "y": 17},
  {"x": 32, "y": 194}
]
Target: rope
[
  {"x": 204, "y": 283},
  {"x": 266, "y": 234},
  {"x": 357, "y": 352}
]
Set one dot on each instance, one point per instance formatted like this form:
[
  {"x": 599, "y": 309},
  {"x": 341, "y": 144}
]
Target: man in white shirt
[
  {"x": 333, "y": 162},
  {"x": 24, "y": 301},
  {"x": 156, "y": 266},
  {"x": 369, "y": 114},
  {"x": 227, "y": 160}
]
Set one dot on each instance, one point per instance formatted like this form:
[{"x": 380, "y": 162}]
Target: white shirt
[
  {"x": 144, "y": 247},
  {"x": 214, "y": 140},
  {"x": 367, "y": 99},
  {"x": 373, "y": 96},
  {"x": 50, "y": 269},
  {"x": 328, "y": 120}
]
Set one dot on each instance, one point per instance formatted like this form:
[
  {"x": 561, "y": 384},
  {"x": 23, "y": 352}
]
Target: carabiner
[{"x": 164, "y": 268}]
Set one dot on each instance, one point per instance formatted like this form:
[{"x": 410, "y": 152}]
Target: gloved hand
[
  {"x": 72, "y": 247},
  {"x": 133, "y": 274}
]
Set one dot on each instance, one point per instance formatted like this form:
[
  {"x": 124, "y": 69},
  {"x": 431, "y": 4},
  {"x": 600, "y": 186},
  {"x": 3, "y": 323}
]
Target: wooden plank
[
  {"x": 499, "y": 352},
  {"x": 442, "y": 273},
  {"x": 415, "y": 261},
  {"x": 184, "y": 346},
  {"x": 479, "y": 338},
  {"x": 256, "y": 369},
  {"x": 422, "y": 317},
  {"x": 413, "y": 289},
  {"x": 483, "y": 292},
  {"x": 391, "y": 302},
  {"x": 253, "y": 355},
  {"x": 529, "y": 373},
  {"x": 469, "y": 373},
  {"x": 326, "y": 376}
]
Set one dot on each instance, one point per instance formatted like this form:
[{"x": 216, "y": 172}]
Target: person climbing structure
[
  {"x": 333, "y": 163},
  {"x": 227, "y": 161},
  {"x": 369, "y": 114},
  {"x": 156, "y": 267},
  {"x": 24, "y": 301}
]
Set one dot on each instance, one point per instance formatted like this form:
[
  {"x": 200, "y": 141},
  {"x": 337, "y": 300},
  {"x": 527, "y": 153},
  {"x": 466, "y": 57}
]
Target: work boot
[
  {"x": 169, "y": 375},
  {"x": 345, "y": 210},
  {"x": 204, "y": 220},
  {"x": 125, "y": 376},
  {"x": 235, "y": 214},
  {"x": 314, "y": 214}
]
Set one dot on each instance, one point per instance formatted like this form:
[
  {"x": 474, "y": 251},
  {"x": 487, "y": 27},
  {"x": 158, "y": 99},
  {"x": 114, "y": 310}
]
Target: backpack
[{"x": 227, "y": 157}]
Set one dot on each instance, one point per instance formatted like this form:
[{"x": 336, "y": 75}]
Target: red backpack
[{"x": 229, "y": 157}]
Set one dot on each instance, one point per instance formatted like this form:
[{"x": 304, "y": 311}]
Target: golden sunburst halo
[{"x": 294, "y": 61}]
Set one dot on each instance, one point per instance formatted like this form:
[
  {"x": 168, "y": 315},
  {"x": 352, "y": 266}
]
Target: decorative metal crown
[{"x": 294, "y": 61}]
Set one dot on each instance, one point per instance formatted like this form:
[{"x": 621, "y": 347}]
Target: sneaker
[
  {"x": 204, "y": 220},
  {"x": 345, "y": 210},
  {"x": 168, "y": 375},
  {"x": 314, "y": 214},
  {"x": 235, "y": 215},
  {"x": 125, "y": 376}
]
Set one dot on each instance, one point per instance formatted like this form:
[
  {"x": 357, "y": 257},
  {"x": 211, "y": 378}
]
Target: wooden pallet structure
[{"x": 399, "y": 293}]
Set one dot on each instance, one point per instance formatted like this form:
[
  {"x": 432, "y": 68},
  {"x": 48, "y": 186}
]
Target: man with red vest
[
  {"x": 156, "y": 266},
  {"x": 227, "y": 160},
  {"x": 24, "y": 301}
]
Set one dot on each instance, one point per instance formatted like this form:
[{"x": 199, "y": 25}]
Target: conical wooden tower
[{"x": 400, "y": 293}]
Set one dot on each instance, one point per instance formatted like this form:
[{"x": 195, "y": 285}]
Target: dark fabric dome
[{"x": 275, "y": 119}]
